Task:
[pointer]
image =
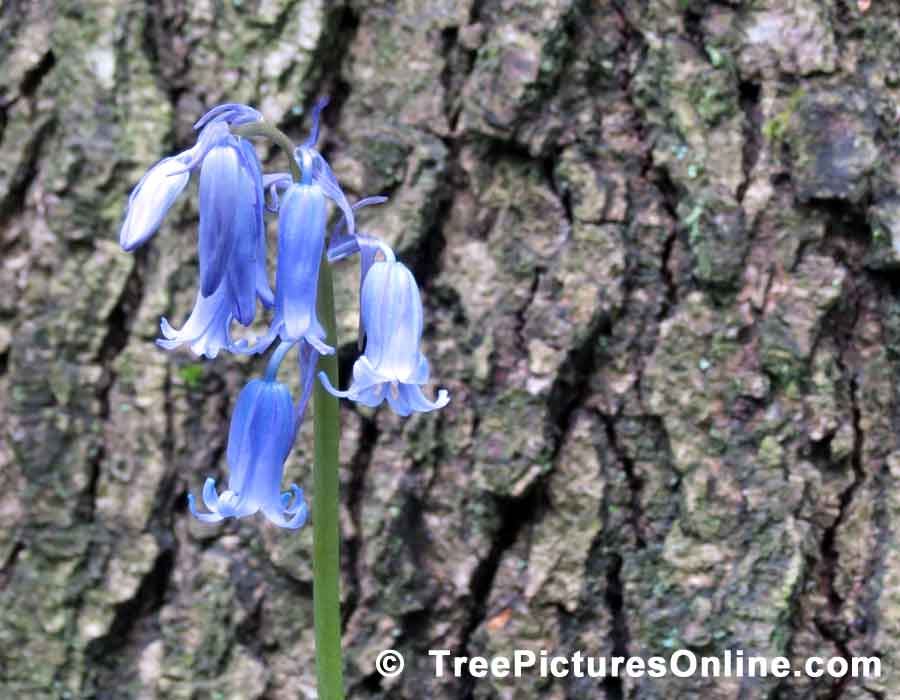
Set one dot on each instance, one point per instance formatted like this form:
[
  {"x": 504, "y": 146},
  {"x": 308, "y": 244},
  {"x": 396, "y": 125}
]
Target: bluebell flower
[
  {"x": 392, "y": 366},
  {"x": 207, "y": 329},
  {"x": 157, "y": 190},
  {"x": 160, "y": 186},
  {"x": 261, "y": 435},
  {"x": 302, "y": 219}
]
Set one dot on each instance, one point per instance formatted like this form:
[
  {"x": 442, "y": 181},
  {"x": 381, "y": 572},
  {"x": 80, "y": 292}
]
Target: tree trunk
[{"x": 657, "y": 242}]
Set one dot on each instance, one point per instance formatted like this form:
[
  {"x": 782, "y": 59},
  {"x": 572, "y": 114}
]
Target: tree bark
[{"x": 658, "y": 243}]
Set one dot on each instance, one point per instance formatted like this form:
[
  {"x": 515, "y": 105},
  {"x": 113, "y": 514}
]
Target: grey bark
[{"x": 658, "y": 244}]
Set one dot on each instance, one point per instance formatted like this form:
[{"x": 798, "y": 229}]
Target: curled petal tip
[
  {"x": 410, "y": 399},
  {"x": 321, "y": 104},
  {"x": 202, "y": 517},
  {"x": 329, "y": 387},
  {"x": 319, "y": 345},
  {"x": 292, "y": 501},
  {"x": 294, "y": 517},
  {"x": 299, "y": 518},
  {"x": 207, "y": 329}
]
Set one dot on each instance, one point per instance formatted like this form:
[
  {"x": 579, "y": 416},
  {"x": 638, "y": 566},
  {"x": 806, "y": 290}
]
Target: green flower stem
[
  {"x": 275, "y": 135},
  {"x": 326, "y": 531}
]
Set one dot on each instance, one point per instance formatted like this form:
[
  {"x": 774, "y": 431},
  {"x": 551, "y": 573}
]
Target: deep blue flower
[
  {"x": 259, "y": 440},
  {"x": 392, "y": 366},
  {"x": 232, "y": 229},
  {"x": 220, "y": 196},
  {"x": 207, "y": 329},
  {"x": 246, "y": 266},
  {"x": 231, "y": 218}
]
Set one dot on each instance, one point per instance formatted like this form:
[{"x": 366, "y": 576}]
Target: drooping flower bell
[
  {"x": 232, "y": 238},
  {"x": 231, "y": 218},
  {"x": 259, "y": 440},
  {"x": 160, "y": 186},
  {"x": 302, "y": 217},
  {"x": 302, "y": 220},
  {"x": 392, "y": 366},
  {"x": 243, "y": 276},
  {"x": 342, "y": 245}
]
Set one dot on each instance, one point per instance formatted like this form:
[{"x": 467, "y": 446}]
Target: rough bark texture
[{"x": 657, "y": 242}]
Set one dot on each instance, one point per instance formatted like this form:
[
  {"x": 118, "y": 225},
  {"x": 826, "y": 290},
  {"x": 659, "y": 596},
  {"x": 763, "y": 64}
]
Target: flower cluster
[{"x": 234, "y": 276}]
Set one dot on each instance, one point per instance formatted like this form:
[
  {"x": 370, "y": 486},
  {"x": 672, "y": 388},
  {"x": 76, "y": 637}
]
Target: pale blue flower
[
  {"x": 259, "y": 440},
  {"x": 392, "y": 366},
  {"x": 151, "y": 199},
  {"x": 207, "y": 329},
  {"x": 342, "y": 245}
]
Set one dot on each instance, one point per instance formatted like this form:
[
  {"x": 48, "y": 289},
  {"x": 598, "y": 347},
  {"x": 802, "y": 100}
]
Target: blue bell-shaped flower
[
  {"x": 392, "y": 367},
  {"x": 302, "y": 218},
  {"x": 259, "y": 440}
]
